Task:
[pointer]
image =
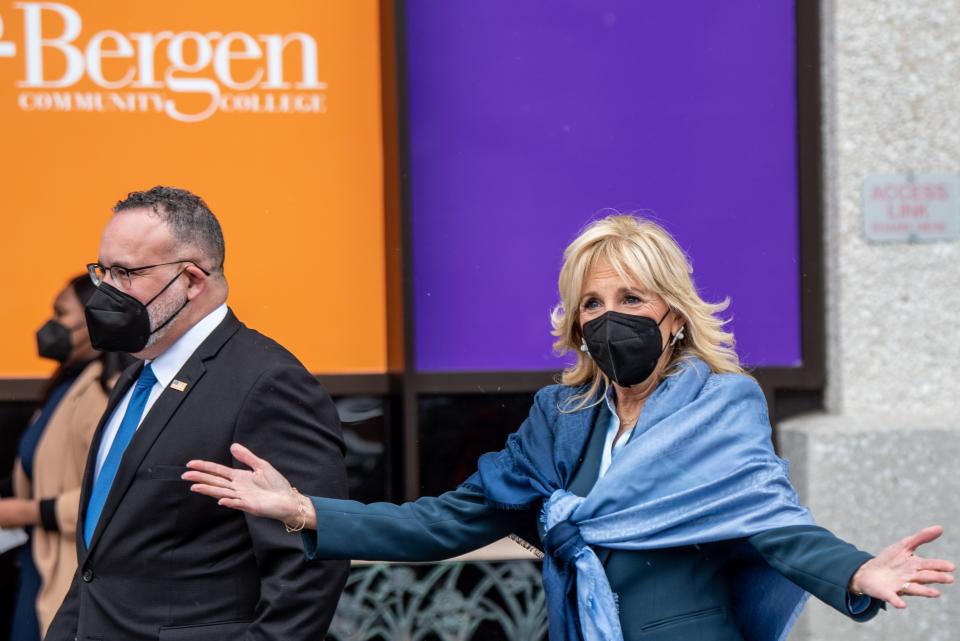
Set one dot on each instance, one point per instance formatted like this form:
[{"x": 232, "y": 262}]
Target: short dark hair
[
  {"x": 83, "y": 287},
  {"x": 190, "y": 220},
  {"x": 112, "y": 363}
]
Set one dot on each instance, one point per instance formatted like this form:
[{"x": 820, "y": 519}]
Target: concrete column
[{"x": 884, "y": 458}]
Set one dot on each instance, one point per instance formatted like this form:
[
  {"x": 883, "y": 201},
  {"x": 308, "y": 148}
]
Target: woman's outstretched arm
[
  {"x": 844, "y": 577},
  {"x": 429, "y": 529}
]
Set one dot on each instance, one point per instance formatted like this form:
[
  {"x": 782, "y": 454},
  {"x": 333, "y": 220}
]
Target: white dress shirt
[
  {"x": 165, "y": 367},
  {"x": 611, "y": 449}
]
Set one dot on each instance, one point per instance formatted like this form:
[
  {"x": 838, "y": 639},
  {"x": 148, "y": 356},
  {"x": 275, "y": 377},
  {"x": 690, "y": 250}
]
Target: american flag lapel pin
[{"x": 180, "y": 386}]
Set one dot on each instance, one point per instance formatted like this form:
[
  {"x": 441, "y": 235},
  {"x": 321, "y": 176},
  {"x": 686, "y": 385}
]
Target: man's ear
[{"x": 197, "y": 281}]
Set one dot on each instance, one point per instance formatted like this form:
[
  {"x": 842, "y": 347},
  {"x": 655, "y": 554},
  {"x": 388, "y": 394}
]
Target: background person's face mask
[
  {"x": 54, "y": 341},
  {"x": 626, "y": 347},
  {"x": 118, "y": 322}
]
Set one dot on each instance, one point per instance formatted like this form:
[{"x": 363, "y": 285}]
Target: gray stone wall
[{"x": 884, "y": 459}]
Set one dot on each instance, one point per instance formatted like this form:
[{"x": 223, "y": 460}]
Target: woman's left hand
[
  {"x": 898, "y": 571},
  {"x": 18, "y": 512}
]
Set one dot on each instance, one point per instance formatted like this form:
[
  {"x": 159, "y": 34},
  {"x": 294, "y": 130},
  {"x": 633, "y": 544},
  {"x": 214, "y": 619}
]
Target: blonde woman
[{"x": 649, "y": 473}]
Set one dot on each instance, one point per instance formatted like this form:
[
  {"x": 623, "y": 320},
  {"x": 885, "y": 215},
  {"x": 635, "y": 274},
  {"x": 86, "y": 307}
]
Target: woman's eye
[
  {"x": 632, "y": 300},
  {"x": 592, "y": 303}
]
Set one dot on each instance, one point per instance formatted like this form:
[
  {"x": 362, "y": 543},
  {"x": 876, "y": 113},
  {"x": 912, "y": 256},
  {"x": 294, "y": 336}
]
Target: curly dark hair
[{"x": 190, "y": 220}]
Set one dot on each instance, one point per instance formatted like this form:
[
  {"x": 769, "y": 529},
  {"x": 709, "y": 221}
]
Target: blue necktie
[{"x": 128, "y": 427}]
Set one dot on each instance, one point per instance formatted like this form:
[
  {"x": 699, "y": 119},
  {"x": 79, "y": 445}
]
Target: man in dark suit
[{"x": 155, "y": 561}]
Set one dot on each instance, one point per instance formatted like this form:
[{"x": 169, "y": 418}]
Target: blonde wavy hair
[{"x": 642, "y": 253}]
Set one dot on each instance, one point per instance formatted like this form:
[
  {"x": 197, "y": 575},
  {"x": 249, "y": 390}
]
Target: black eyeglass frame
[{"x": 129, "y": 272}]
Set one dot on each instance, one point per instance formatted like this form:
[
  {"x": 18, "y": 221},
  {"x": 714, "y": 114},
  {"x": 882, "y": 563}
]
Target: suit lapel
[
  {"x": 151, "y": 428},
  {"x": 157, "y": 419},
  {"x": 586, "y": 474},
  {"x": 572, "y": 431},
  {"x": 589, "y": 470},
  {"x": 120, "y": 389}
]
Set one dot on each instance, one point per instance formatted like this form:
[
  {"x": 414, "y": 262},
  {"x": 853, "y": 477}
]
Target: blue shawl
[{"x": 698, "y": 468}]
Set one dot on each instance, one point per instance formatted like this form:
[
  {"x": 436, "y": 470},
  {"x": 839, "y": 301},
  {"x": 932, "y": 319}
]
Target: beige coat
[{"x": 57, "y": 473}]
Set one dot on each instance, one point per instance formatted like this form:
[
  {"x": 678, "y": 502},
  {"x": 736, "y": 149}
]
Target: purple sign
[{"x": 527, "y": 118}]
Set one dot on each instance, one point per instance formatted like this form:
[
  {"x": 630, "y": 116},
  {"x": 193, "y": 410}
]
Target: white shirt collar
[
  {"x": 610, "y": 449},
  {"x": 166, "y": 366},
  {"x": 610, "y": 398}
]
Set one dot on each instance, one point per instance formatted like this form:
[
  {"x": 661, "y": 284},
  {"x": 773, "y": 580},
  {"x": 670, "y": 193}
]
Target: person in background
[
  {"x": 50, "y": 459},
  {"x": 649, "y": 475}
]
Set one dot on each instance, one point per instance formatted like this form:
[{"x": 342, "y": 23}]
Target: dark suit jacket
[
  {"x": 165, "y": 564},
  {"x": 675, "y": 594}
]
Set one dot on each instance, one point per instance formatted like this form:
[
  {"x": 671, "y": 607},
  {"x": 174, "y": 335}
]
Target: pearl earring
[
  {"x": 677, "y": 337},
  {"x": 583, "y": 346}
]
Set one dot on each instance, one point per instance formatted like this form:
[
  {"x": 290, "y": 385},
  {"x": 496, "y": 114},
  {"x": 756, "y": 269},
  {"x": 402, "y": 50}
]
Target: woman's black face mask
[
  {"x": 626, "y": 347},
  {"x": 118, "y": 322},
  {"x": 54, "y": 341}
]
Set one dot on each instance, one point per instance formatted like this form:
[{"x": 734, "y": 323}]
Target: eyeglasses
[{"x": 122, "y": 276}]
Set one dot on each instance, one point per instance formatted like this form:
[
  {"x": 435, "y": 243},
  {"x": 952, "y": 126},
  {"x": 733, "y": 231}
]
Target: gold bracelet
[{"x": 302, "y": 511}]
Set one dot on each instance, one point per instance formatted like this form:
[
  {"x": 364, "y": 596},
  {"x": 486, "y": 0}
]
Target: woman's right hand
[{"x": 260, "y": 491}]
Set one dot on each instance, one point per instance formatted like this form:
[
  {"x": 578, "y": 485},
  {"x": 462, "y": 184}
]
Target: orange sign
[{"x": 269, "y": 111}]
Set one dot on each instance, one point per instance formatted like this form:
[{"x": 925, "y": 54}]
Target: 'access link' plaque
[{"x": 911, "y": 207}]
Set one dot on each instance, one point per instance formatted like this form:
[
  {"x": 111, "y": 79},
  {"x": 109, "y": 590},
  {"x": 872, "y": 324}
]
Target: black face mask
[
  {"x": 118, "y": 322},
  {"x": 54, "y": 341},
  {"x": 625, "y": 347}
]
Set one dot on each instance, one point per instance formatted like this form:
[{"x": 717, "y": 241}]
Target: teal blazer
[{"x": 674, "y": 594}]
